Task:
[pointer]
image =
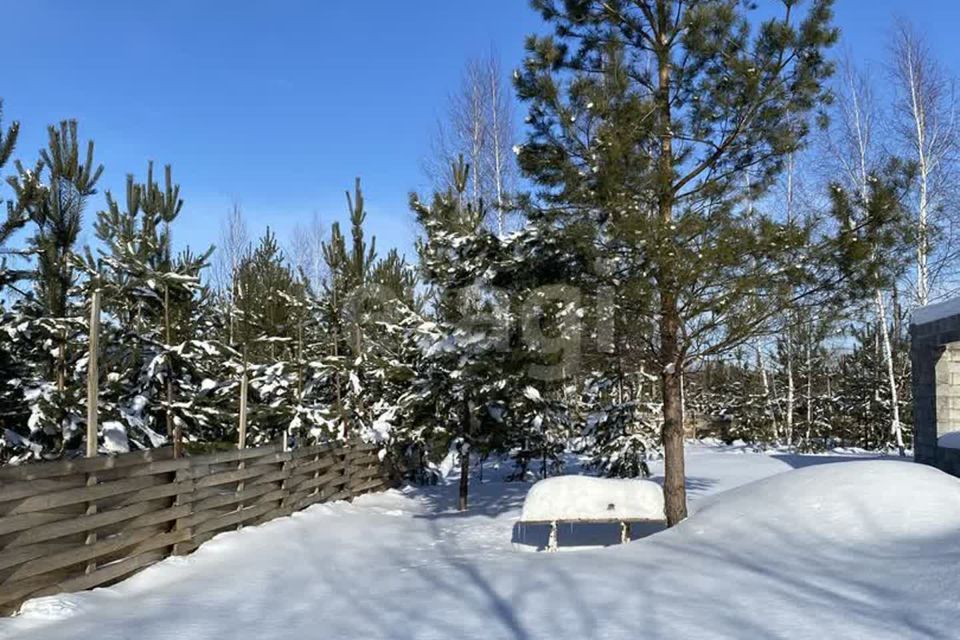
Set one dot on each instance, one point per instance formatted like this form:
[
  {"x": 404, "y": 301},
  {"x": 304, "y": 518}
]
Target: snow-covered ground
[{"x": 819, "y": 547}]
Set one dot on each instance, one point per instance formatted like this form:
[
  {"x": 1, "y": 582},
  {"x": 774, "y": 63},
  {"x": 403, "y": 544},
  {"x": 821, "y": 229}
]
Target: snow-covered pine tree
[
  {"x": 159, "y": 364},
  {"x": 48, "y": 340},
  {"x": 463, "y": 359},
  {"x": 11, "y": 214},
  {"x": 267, "y": 337}
]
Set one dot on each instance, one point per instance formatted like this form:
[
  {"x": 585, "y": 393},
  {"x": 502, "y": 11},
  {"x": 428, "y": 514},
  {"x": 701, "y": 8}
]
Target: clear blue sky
[{"x": 278, "y": 105}]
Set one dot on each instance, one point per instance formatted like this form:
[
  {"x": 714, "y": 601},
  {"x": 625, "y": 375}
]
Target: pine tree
[
  {"x": 15, "y": 217},
  {"x": 463, "y": 358},
  {"x": 644, "y": 116},
  {"x": 160, "y": 364},
  {"x": 51, "y": 197}
]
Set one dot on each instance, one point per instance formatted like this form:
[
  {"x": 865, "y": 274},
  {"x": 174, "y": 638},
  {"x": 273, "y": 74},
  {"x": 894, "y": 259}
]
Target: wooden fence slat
[
  {"x": 223, "y": 500},
  {"x": 225, "y": 477},
  {"x": 144, "y": 506},
  {"x": 24, "y": 489},
  {"x": 234, "y": 455},
  {"x": 82, "y": 465},
  {"x": 24, "y": 521},
  {"x": 79, "y": 524},
  {"x": 232, "y": 518},
  {"x": 108, "y": 573},
  {"x": 81, "y": 494},
  {"x": 79, "y": 555}
]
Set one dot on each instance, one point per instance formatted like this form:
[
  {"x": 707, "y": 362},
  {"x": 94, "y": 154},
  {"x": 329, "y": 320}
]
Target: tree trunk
[
  {"x": 895, "y": 427},
  {"x": 767, "y": 398},
  {"x": 809, "y": 385},
  {"x": 674, "y": 486},
  {"x": 791, "y": 390},
  {"x": 464, "y": 475},
  {"x": 465, "y": 456}
]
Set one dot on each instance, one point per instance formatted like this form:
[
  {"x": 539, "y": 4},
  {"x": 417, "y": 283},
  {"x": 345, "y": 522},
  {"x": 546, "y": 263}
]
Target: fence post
[
  {"x": 93, "y": 376},
  {"x": 242, "y": 438},
  {"x": 93, "y": 392}
]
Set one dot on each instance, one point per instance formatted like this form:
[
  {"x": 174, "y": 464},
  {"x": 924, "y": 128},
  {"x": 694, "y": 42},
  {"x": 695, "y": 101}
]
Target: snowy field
[{"x": 784, "y": 546}]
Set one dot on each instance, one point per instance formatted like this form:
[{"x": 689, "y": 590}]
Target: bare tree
[
  {"x": 857, "y": 152},
  {"x": 478, "y": 126},
  {"x": 233, "y": 247},
  {"x": 925, "y": 123},
  {"x": 306, "y": 251}
]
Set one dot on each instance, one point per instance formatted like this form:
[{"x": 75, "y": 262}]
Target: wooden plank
[
  {"x": 342, "y": 495},
  {"x": 40, "y": 470},
  {"x": 363, "y": 474},
  {"x": 147, "y": 469},
  {"x": 13, "y": 595},
  {"x": 232, "y": 518},
  {"x": 80, "y": 554},
  {"x": 155, "y": 492},
  {"x": 331, "y": 478},
  {"x": 81, "y": 494},
  {"x": 80, "y": 524},
  {"x": 25, "y": 489},
  {"x": 103, "y": 575},
  {"x": 368, "y": 486},
  {"x": 308, "y": 500},
  {"x": 234, "y": 455},
  {"x": 225, "y": 477},
  {"x": 313, "y": 465},
  {"x": 231, "y": 498},
  {"x": 273, "y": 458},
  {"x": 198, "y": 517},
  {"x": 273, "y": 477},
  {"x": 20, "y": 555},
  {"x": 307, "y": 452},
  {"x": 24, "y": 521}
]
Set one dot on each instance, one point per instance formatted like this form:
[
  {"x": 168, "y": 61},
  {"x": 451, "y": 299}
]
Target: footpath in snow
[{"x": 783, "y": 546}]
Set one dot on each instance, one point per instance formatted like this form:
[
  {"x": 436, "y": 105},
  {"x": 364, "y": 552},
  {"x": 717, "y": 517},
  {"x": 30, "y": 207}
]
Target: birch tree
[
  {"x": 478, "y": 125},
  {"x": 859, "y": 157},
  {"x": 925, "y": 124},
  {"x": 234, "y": 247}
]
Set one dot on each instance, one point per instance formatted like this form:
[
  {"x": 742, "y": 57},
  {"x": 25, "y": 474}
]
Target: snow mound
[
  {"x": 949, "y": 440},
  {"x": 589, "y": 498},
  {"x": 875, "y": 501}
]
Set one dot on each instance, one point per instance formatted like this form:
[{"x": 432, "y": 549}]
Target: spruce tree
[{"x": 644, "y": 117}]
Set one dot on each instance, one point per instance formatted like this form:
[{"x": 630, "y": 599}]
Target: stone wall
[{"x": 935, "y": 355}]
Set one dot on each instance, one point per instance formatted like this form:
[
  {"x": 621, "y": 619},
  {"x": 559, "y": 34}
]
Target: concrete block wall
[{"x": 935, "y": 356}]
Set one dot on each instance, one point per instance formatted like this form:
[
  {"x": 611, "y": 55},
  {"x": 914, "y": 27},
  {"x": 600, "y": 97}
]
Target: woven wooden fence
[{"x": 78, "y": 524}]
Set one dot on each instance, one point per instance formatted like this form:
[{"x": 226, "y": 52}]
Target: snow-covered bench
[{"x": 585, "y": 499}]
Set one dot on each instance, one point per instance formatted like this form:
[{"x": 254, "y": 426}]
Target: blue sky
[{"x": 278, "y": 105}]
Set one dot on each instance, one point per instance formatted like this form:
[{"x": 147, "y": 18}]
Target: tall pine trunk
[
  {"x": 465, "y": 457},
  {"x": 674, "y": 485}
]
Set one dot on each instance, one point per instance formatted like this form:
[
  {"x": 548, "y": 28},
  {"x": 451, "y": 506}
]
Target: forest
[{"x": 702, "y": 224}]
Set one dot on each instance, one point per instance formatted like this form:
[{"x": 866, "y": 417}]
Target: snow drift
[{"x": 860, "y": 502}]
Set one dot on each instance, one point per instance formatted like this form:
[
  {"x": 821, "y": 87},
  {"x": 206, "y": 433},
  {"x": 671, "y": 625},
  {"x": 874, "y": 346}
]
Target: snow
[
  {"x": 115, "y": 437},
  {"x": 778, "y": 545},
  {"x": 949, "y": 440},
  {"x": 934, "y": 312},
  {"x": 588, "y": 498}
]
